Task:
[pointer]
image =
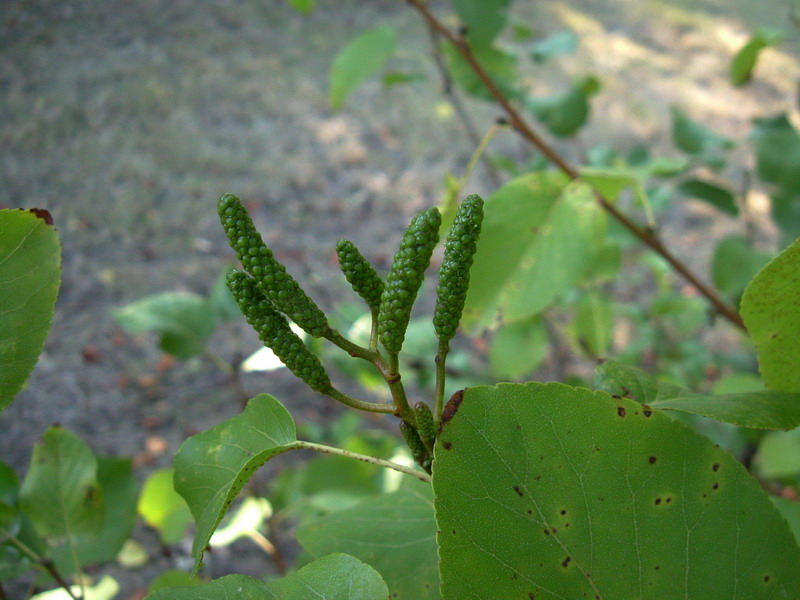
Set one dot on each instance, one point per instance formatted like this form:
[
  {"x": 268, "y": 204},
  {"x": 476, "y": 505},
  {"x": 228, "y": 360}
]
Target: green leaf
[
  {"x": 746, "y": 58},
  {"x": 334, "y": 577},
  {"x": 593, "y": 323},
  {"x": 772, "y": 315},
  {"x": 779, "y": 455},
  {"x": 184, "y": 321},
  {"x": 61, "y": 494},
  {"x": 518, "y": 348},
  {"x": 400, "y": 78},
  {"x": 358, "y": 61},
  {"x": 564, "y": 114},
  {"x": 715, "y": 195},
  {"x": 394, "y": 533},
  {"x": 790, "y": 509},
  {"x": 501, "y": 66},
  {"x": 734, "y": 264},
  {"x": 30, "y": 274},
  {"x": 303, "y": 6},
  {"x": 777, "y": 147},
  {"x": 786, "y": 214},
  {"x": 539, "y": 237},
  {"x": 561, "y": 42},
  {"x": 484, "y": 19},
  {"x": 212, "y": 467},
  {"x": 162, "y": 508},
  {"x": 697, "y": 140},
  {"x": 173, "y": 579},
  {"x": 758, "y": 409},
  {"x": 118, "y": 485},
  {"x": 548, "y": 491}
]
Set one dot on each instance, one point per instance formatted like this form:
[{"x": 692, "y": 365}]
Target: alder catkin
[
  {"x": 270, "y": 275},
  {"x": 405, "y": 278},
  {"x": 459, "y": 251},
  {"x": 273, "y": 329},
  {"x": 361, "y": 275}
]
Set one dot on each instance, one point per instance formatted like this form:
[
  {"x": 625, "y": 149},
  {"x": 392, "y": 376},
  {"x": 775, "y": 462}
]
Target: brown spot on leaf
[
  {"x": 447, "y": 445},
  {"x": 715, "y": 467},
  {"x": 565, "y": 562},
  {"x": 451, "y": 407},
  {"x": 518, "y": 490},
  {"x": 652, "y": 460},
  {"x": 657, "y": 501},
  {"x": 648, "y": 411},
  {"x": 766, "y": 578},
  {"x": 43, "y": 214},
  {"x": 716, "y": 485},
  {"x": 621, "y": 411}
]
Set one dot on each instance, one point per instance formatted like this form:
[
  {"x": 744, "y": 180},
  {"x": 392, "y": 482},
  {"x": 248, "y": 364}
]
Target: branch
[{"x": 516, "y": 121}]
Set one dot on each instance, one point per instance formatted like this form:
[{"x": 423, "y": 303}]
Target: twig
[
  {"x": 466, "y": 121},
  {"x": 516, "y": 121}
]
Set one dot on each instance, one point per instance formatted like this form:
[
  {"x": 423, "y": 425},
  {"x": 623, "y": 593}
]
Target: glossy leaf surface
[
  {"x": 547, "y": 491},
  {"x": 30, "y": 274}
]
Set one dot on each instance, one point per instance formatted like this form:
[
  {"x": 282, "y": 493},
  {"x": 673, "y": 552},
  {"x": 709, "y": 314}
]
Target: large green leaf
[
  {"x": 115, "y": 476},
  {"x": 772, "y": 315},
  {"x": 184, "y": 321},
  {"x": 30, "y": 273},
  {"x": 763, "y": 409},
  {"x": 163, "y": 508},
  {"x": 358, "y": 61},
  {"x": 697, "y": 140},
  {"x": 746, "y": 58},
  {"x": 501, "y": 66},
  {"x": 61, "y": 494},
  {"x": 777, "y": 147},
  {"x": 593, "y": 323},
  {"x": 334, "y": 577},
  {"x": 394, "y": 533},
  {"x": 212, "y": 467},
  {"x": 547, "y": 491},
  {"x": 484, "y": 19},
  {"x": 539, "y": 237}
]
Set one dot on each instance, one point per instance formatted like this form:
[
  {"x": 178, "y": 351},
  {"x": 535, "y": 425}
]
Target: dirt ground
[{"x": 127, "y": 119}]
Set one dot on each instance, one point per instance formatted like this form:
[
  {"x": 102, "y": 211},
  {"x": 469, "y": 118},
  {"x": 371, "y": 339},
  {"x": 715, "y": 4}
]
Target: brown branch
[{"x": 516, "y": 121}]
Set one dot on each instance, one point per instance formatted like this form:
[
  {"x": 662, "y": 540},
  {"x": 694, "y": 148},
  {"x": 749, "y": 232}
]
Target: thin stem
[
  {"x": 373, "y": 333},
  {"x": 44, "y": 563},
  {"x": 458, "y": 105},
  {"x": 364, "y": 458},
  {"x": 372, "y": 407},
  {"x": 438, "y": 398},
  {"x": 647, "y": 236},
  {"x": 222, "y": 364}
]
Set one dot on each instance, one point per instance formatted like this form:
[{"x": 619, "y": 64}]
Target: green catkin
[
  {"x": 273, "y": 329},
  {"x": 405, "y": 278},
  {"x": 410, "y": 435},
  {"x": 270, "y": 275},
  {"x": 459, "y": 251},
  {"x": 425, "y": 427},
  {"x": 363, "y": 278}
]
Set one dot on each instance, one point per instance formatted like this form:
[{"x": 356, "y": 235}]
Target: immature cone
[
  {"x": 410, "y": 435},
  {"x": 459, "y": 251},
  {"x": 363, "y": 278},
  {"x": 425, "y": 427},
  {"x": 405, "y": 278},
  {"x": 273, "y": 329},
  {"x": 270, "y": 275}
]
